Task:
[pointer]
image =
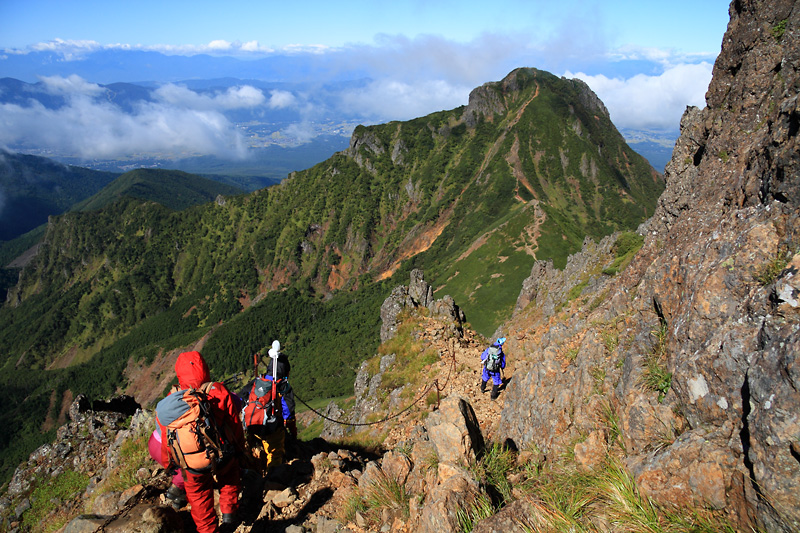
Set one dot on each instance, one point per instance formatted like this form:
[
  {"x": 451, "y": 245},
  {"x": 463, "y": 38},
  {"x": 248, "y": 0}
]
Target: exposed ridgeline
[
  {"x": 689, "y": 357},
  {"x": 529, "y": 168}
]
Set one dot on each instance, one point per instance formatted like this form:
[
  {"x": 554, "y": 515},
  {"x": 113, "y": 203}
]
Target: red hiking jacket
[{"x": 192, "y": 372}]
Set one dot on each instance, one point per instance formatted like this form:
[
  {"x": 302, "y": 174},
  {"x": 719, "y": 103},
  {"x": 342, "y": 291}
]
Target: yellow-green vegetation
[
  {"x": 598, "y": 300},
  {"x": 133, "y": 455},
  {"x": 576, "y": 291},
  {"x": 598, "y": 374},
  {"x": 432, "y": 398},
  {"x": 610, "y": 339},
  {"x": 491, "y": 469},
  {"x": 48, "y": 497},
  {"x": 387, "y": 492},
  {"x": 384, "y": 492},
  {"x": 412, "y": 357},
  {"x": 481, "y": 508},
  {"x": 563, "y": 498},
  {"x": 779, "y": 29},
  {"x": 430, "y": 461},
  {"x": 311, "y": 431},
  {"x": 571, "y": 354},
  {"x": 366, "y": 440},
  {"x": 315, "y": 428},
  {"x": 625, "y": 247},
  {"x": 656, "y": 377},
  {"x": 770, "y": 271},
  {"x": 610, "y": 418},
  {"x": 405, "y": 448},
  {"x": 566, "y": 497},
  {"x": 352, "y": 505}
]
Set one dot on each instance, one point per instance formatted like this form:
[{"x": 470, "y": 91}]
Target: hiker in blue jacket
[{"x": 494, "y": 360}]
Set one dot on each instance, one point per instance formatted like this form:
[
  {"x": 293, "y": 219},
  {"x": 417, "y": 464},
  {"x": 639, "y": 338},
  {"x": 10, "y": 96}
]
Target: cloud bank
[
  {"x": 177, "y": 121},
  {"x": 651, "y": 102}
]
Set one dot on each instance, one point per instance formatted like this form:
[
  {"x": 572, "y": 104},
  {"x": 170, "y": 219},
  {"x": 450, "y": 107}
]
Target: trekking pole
[{"x": 273, "y": 353}]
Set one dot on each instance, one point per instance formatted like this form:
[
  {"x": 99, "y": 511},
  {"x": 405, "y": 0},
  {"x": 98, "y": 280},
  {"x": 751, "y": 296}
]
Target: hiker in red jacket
[{"x": 192, "y": 373}]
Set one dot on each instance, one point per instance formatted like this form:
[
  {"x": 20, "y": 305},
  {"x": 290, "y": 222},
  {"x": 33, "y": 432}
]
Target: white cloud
[
  {"x": 70, "y": 86},
  {"x": 402, "y": 101},
  {"x": 281, "y": 99},
  {"x": 179, "y": 121},
  {"x": 642, "y": 102},
  {"x": 253, "y": 47},
  {"x": 220, "y": 45},
  {"x": 244, "y": 96},
  {"x": 665, "y": 57},
  {"x": 301, "y": 131}
]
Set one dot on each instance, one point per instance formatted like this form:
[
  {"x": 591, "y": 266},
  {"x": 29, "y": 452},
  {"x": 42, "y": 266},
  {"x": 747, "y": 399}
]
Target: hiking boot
[
  {"x": 176, "y": 497},
  {"x": 483, "y": 386},
  {"x": 495, "y": 391},
  {"x": 229, "y": 523}
]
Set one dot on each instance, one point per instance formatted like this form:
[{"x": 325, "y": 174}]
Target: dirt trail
[{"x": 461, "y": 378}]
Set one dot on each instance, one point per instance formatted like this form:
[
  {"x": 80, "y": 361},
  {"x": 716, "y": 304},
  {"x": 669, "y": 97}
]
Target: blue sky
[
  {"x": 690, "y": 26},
  {"x": 646, "y": 60}
]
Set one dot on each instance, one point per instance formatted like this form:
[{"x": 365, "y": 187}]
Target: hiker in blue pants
[{"x": 494, "y": 360}]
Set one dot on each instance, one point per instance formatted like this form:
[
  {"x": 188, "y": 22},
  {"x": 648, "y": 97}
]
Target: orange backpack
[{"x": 195, "y": 441}]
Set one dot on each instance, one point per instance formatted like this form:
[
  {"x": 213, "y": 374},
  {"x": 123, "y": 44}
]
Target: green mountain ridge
[
  {"x": 473, "y": 196},
  {"x": 34, "y": 188},
  {"x": 173, "y": 189}
]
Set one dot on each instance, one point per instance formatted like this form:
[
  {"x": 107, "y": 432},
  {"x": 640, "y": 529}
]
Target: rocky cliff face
[{"x": 692, "y": 351}]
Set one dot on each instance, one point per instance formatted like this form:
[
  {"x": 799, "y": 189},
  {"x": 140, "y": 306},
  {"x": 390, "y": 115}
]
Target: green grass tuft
[
  {"x": 49, "y": 496},
  {"x": 656, "y": 377}
]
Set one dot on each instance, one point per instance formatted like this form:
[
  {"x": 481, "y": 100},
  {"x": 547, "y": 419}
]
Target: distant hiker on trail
[
  {"x": 494, "y": 361},
  {"x": 201, "y": 433},
  {"x": 269, "y": 411}
]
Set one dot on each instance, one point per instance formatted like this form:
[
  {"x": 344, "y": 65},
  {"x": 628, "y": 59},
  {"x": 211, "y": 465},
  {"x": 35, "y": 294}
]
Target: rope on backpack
[{"x": 433, "y": 384}]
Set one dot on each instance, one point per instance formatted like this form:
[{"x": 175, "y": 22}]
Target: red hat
[{"x": 191, "y": 370}]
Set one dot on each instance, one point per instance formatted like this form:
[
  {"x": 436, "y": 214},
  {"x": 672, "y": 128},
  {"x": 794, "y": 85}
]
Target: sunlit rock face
[{"x": 712, "y": 297}]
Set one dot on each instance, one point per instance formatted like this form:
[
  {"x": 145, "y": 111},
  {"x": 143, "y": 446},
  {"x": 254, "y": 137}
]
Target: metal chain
[{"x": 435, "y": 383}]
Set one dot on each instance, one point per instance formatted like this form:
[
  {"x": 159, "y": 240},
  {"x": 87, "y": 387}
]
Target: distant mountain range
[{"x": 134, "y": 66}]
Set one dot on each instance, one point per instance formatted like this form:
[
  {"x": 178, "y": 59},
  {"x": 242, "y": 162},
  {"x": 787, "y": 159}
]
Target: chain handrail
[{"x": 435, "y": 383}]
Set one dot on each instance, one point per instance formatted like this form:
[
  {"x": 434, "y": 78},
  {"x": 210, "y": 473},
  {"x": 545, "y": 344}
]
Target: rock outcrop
[
  {"x": 418, "y": 294},
  {"x": 692, "y": 351}
]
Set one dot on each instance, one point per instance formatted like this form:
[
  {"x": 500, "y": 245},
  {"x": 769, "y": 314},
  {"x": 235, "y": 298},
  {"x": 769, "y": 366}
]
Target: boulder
[
  {"x": 513, "y": 518},
  {"x": 440, "y": 511},
  {"x": 454, "y": 431},
  {"x": 396, "y": 466}
]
